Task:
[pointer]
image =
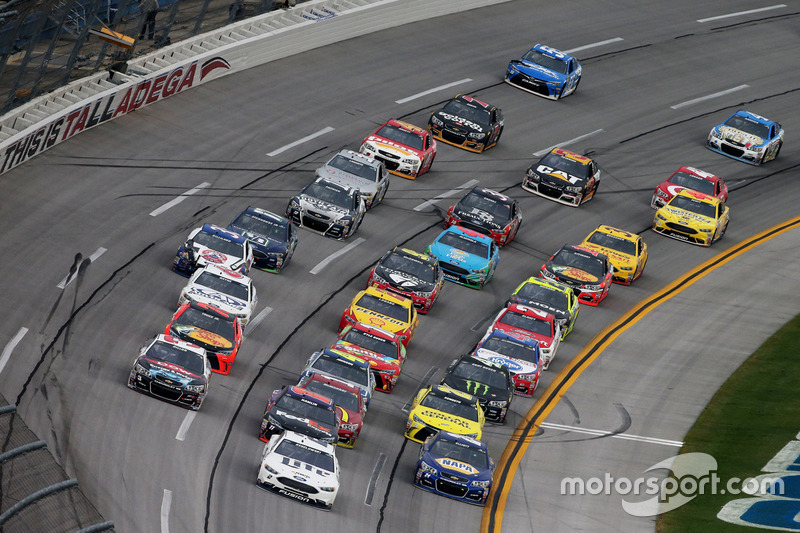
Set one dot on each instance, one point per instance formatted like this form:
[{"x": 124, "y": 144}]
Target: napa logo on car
[{"x": 452, "y": 464}]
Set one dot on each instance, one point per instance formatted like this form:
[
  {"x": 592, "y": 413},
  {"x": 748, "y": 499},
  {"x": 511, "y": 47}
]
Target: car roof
[
  {"x": 531, "y": 311},
  {"x": 171, "y": 339},
  {"x": 311, "y": 442},
  {"x": 300, "y": 392},
  {"x": 334, "y": 382},
  {"x": 346, "y": 358},
  {"x": 490, "y": 193},
  {"x": 375, "y": 330},
  {"x": 211, "y": 310},
  {"x": 442, "y": 434},
  {"x": 578, "y": 158},
  {"x": 616, "y": 232},
  {"x": 222, "y": 232},
  {"x": 552, "y": 52},
  {"x": 333, "y": 184},
  {"x": 226, "y": 273},
  {"x": 268, "y": 215},
  {"x": 468, "y": 233},
  {"x": 697, "y": 195},
  {"x": 385, "y": 295}
]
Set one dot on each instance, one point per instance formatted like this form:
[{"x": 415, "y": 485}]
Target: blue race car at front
[
  {"x": 748, "y": 137},
  {"x": 546, "y": 72},
  {"x": 466, "y": 257},
  {"x": 455, "y": 466},
  {"x": 273, "y": 237}
]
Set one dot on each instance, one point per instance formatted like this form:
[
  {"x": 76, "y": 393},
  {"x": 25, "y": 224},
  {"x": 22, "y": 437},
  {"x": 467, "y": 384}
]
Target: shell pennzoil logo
[
  {"x": 576, "y": 273},
  {"x": 207, "y": 337},
  {"x": 458, "y": 466}
]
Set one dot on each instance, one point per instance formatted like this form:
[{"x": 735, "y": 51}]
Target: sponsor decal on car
[
  {"x": 207, "y": 337},
  {"x": 213, "y": 256},
  {"x": 575, "y": 273},
  {"x": 452, "y": 464}
]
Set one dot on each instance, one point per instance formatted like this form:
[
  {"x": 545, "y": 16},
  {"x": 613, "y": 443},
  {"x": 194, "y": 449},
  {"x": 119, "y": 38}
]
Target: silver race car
[
  {"x": 360, "y": 172},
  {"x": 328, "y": 208}
]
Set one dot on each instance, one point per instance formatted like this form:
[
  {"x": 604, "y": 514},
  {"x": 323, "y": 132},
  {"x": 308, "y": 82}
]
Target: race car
[
  {"x": 586, "y": 271},
  {"x": 412, "y": 274},
  {"x": 689, "y": 178},
  {"x": 213, "y": 245},
  {"x": 357, "y": 171},
  {"x": 343, "y": 366},
  {"x": 522, "y": 357},
  {"x": 225, "y": 289},
  {"x": 172, "y": 370},
  {"x": 348, "y": 402},
  {"x": 528, "y": 323},
  {"x": 546, "y": 72},
  {"x": 564, "y": 177},
  {"x": 301, "y": 468},
  {"x": 303, "y": 411},
  {"x": 441, "y": 408},
  {"x": 626, "y": 251},
  {"x": 455, "y": 466},
  {"x": 384, "y": 309},
  {"x": 467, "y": 123},
  {"x": 466, "y": 256},
  {"x": 407, "y": 150},
  {"x": 693, "y": 217},
  {"x": 383, "y": 350},
  {"x": 551, "y": 296},
  {"x": 327, "y": 208},
  {"x": 211, "y": 328},
  {"x": 489, "y": 212},
  {"x": 748, "y": 137},
  {"x": 488, "y": 381},
  {"x": 272, "y": 237}
]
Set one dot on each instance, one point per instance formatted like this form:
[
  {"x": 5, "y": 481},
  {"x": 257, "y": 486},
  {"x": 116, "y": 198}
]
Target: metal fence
[{"x": 45, "y": 44}]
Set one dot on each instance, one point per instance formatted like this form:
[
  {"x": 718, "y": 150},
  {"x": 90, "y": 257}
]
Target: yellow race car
[
  {"x": 382, "y": 309},
  {"x": 626, "y": 251},
  {"x": 440, "y": 407},
  {"x": 694, "y": 217}
]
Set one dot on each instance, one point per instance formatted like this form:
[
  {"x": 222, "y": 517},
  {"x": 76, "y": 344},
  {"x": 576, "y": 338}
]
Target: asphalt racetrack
[{"x": 656, "y": 77}]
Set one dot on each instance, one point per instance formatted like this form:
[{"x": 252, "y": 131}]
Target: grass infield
[{"x": 750, "y": 419}]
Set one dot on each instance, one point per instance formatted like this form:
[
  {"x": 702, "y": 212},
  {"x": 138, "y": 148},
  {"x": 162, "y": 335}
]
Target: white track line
[
  {"x": 187, "y": 422},
  {"x": 429, "y": 91},
  {"x": 540, "y": 153},
  {"x": 10, "y": 347},
  {"x": 179, "y": 199},
  {"x": 739, "y": 13},
  {"x": 709, "y": 97},
  {"x": 457, "y": 190},
  {"x": 166, "y": 503},
  {"x": 322, "y": 264},
  {"x": 625, "y": 436},
  {"x": 67, "y": 280},
  {"x": 593, "y": 45},
  {"x": 323, "y": 131},
  {"x": 256, "y": 321}
]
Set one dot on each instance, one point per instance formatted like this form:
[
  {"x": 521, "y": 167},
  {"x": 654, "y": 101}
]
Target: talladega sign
[{"x": 105, "y": 106}]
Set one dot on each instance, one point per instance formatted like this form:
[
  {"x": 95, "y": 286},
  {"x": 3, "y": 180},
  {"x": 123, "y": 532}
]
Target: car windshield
[
  {"x": 588, "y": 263},
  {"x": 690, "y": 181},
  {"x": 306, "y": 454},
  {"x": 214, "y": 324},
  {"x": 329, "y": 194},
  {"x": 306, "y": 409},
  {"x": 456, "y": 407},
  {"x": 694, "y": 206},
  {"x": 527, "y": 322},
  {"x": 511, "y": 348},
  {"x": 262, "y": 226},
  {"x": 498, "y": 210},
  {"x": 341, "y": 397},
  {"x": 465, "y": 244},
  {"x": 748, "y": 125},
  {"x": 567, "y": 165},
  {"x": 219, "y": 244},
  {"x": 230, "y": 287},
  {"x": 461, "y": 109},
  {"x": 342, "y": 369},
  {"x": 460, "y": 451},
  {"x": 384, "y": 307},
  {"x": 541, "y": 293},
  {"x": 410, "y": 265},
  {"x": 546, "y": 61},
  {"x": 355, "y": 167},
  {"x": 371, "y": 342},
  {"x": 170, "y": 353},
  {"x": 612, "y": 241},
  {"x": 402, "y": 136},
  {"x": 495, "y": 378}
]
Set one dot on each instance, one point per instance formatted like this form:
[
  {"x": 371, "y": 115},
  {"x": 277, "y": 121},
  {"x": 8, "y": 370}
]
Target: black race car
[
  {"x": 413, "y": 274},
  {"x": 488, "y": 212},
  {"x": 489, "y": 382},
  {"x": 564, "y": 177},
  {"x": 468, "y": 123},
  {"x": 296, "y": 409},
  {"x": 272, "y": 237}
]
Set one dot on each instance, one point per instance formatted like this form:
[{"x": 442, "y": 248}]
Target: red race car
[
  {"x": 528, "y": 323},
  {"x": 348, "y": 401},
  {"x": 383, "y": 350},
  {"x": 406, "y": 150},
  {"x": 211, "y": 328},
  {"x": 587, "y": 272},
  {"x": 689, "y": 178}
]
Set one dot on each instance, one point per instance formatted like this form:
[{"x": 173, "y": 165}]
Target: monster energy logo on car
[{"x": 474, "y": 387}]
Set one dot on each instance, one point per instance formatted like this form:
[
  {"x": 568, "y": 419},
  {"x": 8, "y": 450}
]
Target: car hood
[
  {"x": 480, "y": 390},
  {"x": 169, "y": 371},
  {"x": 480, "y": 218},
  {"x": 740, "y": 137},
  {"x": 395, "y": 147},
  {"x": 207, "y": 256},
  {"x": 558, "y": 178},
  {"x": 298, "y": 470},
  {"x": 572, "y": 274},
  {"x": 688, "y": 218},
  {"x": 446, "y": 421},
  {"x": 461, "y": 122},
  {"x": 226, "y": 302},
  {"x": 403, "y": 280},
  {"x": 537, "y": 71},
  {"x": 617, "y": 258},
  {"x": 515, "y": 366},
  {"x": 372, "y": 318},
  {"x": 457, "y": 467},
  {"x": 457, "y": 257},
  {"x": 335, "y": 212},
  {"x": 205, "y": 339}
]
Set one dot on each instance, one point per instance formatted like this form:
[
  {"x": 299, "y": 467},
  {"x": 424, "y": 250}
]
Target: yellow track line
[{"x": 492, "y": 521}]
